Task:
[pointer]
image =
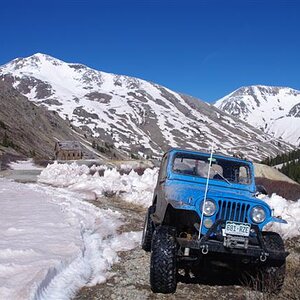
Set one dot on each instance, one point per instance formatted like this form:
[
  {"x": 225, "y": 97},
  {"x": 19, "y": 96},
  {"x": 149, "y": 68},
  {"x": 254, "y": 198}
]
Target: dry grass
[
  {"x": 291, "y": 287},
  {"x": 7, "y": 158},
  {"x": 140, "y": 171},
  {"x": 285, "y": 189}
]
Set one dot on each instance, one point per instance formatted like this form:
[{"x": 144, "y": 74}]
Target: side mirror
[{"x": 260, "y": 189}]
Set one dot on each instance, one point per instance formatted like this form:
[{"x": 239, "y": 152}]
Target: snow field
[
  {"x": 73, "y": 86},
  {"x": 52, "y": 243}
]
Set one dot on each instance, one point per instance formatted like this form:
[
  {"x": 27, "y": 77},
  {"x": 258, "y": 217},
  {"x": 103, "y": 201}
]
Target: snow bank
[
  {"x": 64, "y": 175},
  {"x": 139, "y": 190},
  {"x": 132, "y": 187},
  {"x": 52, "y": 243},
  {"x": 287, "y": 210}
]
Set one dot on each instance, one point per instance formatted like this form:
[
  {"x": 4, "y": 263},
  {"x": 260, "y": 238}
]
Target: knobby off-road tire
[
  {"x": 148, "y": 230},
  {"x": 163, "y": 270},
  {"x": 271, "y": 278}
]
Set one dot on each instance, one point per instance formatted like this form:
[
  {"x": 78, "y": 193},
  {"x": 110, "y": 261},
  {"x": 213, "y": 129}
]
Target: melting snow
[
  {"x": 132, "y": 187},
  {"x": 24, "y": 165},
  {"x": 289, "y": 211},
  {"x": 138, "y": 189},
  {"x": 52, "y": 242},
  {"x": 265, "y": 107},
  {"x": 124, "y": 115}
]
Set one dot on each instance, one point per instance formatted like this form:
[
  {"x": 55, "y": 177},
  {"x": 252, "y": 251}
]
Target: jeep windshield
[{"x": 228, "y": 170}]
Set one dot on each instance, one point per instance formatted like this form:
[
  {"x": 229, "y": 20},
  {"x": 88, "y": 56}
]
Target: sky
[{"x": 204, "y": 48}]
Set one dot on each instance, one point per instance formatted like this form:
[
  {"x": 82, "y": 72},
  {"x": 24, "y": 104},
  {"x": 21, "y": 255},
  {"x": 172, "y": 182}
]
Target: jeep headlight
[
  {"x": 258, "y": 214},
  {"x": 209, "y": 208}
]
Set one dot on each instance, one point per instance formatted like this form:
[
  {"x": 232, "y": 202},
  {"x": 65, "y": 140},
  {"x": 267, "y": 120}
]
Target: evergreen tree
[{"x": 290, "y": 163}]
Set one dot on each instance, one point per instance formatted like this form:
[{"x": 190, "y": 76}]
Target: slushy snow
[
  {"x": 24, "y": 165},
  {"x": 52, "y": 242},
  {"x": 289, "y": 211},
  {"x": 132, "y": 187}
]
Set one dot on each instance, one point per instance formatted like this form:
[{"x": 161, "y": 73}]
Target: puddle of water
[{"x": 23, "y": 176}]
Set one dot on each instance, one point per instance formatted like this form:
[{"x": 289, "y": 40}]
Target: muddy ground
[{"x": 130, "y": 277}]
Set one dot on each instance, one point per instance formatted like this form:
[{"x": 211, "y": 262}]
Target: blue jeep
[{"x": 205, "y": 210}]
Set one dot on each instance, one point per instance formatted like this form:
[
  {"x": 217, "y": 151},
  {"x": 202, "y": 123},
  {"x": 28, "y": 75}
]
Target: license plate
[{"x": 236, "y": 228}]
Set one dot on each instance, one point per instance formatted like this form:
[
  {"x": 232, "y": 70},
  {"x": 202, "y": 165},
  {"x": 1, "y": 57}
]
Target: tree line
[{"x": 290, "y": 163}]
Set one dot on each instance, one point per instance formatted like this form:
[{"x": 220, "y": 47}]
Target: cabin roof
[{"x": 68, "y": 145}]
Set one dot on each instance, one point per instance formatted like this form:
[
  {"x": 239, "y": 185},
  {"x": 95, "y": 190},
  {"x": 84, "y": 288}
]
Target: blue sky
[{"x": 202, "y": 48}]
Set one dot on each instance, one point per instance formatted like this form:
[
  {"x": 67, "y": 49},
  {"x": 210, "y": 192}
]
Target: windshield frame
[{"x": 231, "y": 164}]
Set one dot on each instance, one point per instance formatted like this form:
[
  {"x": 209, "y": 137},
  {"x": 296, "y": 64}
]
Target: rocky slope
[
  {"x": 275, "y": 110},
  {"x": 134, "y": 115},
  {"x": 29, "y": 129},
  {"x": 271, "y": 173}
]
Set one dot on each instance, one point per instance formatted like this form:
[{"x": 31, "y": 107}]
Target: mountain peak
[
  {"x": 265, "y": 107},
  {"x": 129, "y": 113},
  {"x": 39, "y": 55},
  {"x": 30, "y": 63},
  {"x": 42, "y": 57},
  {"x": 263, "y": 90}
]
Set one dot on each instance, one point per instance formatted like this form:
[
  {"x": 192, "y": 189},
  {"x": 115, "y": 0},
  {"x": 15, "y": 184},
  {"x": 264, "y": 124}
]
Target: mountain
[
  {"x": 275, "y": 110},
  {"x": 132, "y": 114},
  {"x": 29, "y": 128},
  {"x": 32, "y": 130}
]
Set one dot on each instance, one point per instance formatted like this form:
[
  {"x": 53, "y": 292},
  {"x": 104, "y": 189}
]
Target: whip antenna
[{"x": 206, "y": 189}]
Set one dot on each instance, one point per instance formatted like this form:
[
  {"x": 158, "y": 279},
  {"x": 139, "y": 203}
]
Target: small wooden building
[{"x": 68, "y": 150}]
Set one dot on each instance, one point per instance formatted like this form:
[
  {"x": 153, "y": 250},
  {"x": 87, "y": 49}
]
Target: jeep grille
[{"x": 233, "y": 211}]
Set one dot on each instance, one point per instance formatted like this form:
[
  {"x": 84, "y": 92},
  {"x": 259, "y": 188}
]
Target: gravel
[{"x": 130, "y": 277}]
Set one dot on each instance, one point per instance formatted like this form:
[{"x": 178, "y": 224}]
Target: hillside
[
  {"x": 132, "y": 114},
  {"x": 29, "y": 129},
  {"x": 271, "y": 173},
  {"x": 286, "y": 163},
  {"x": 275, "y": 110}
]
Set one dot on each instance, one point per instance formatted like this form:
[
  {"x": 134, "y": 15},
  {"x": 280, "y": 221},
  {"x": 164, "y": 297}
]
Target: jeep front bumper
[{"x": 233, "y": 246}]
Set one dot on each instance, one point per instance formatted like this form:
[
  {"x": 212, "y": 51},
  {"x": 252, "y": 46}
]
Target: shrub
[
  {"x": 7, "y": 142},
  {"x": 2, "y": 125},
  {"x": 284, "y": 189}
]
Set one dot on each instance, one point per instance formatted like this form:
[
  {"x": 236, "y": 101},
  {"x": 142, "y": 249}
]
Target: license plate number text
[{"x": 236, "y": 228}]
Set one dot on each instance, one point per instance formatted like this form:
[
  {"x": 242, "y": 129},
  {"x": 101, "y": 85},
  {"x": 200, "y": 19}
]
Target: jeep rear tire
[
  {"x": 163, "y": 270},
  {"x": 271, "y": 278},
  {"x": 148, "y": 230}
]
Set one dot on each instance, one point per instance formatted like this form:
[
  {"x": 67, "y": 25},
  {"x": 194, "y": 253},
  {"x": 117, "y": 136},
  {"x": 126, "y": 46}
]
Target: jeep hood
[{"x": 190, "y": 192}]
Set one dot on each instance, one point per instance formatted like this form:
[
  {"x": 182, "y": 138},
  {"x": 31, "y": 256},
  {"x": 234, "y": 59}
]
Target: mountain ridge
[
  {"x": 133, "y": 114},
  {"x": 271, "y": 108}
]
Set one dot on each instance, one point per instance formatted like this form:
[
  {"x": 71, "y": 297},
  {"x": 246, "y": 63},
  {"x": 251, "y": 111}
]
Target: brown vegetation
[
  {"x": 291, "y": 287},
  {"x": 7, "y": 158},
  {"x": 284, "y": 189}
]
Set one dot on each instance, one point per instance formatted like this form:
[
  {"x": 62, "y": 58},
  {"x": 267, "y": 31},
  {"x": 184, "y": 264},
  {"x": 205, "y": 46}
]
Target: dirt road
[{"x": 130, "y": 277}]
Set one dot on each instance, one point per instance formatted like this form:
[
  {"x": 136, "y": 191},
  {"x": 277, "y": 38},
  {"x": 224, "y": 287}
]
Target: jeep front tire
[
  {"x": 163, "y": 269},
  {"x": 148, "y": 230},
  {"x": 271, "y": 278}
]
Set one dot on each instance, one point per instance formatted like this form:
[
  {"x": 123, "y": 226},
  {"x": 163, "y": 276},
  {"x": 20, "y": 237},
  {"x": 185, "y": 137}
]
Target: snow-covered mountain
[
  {"x": 275, "y": 110},
  {"x": 133, "y": 114}
]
